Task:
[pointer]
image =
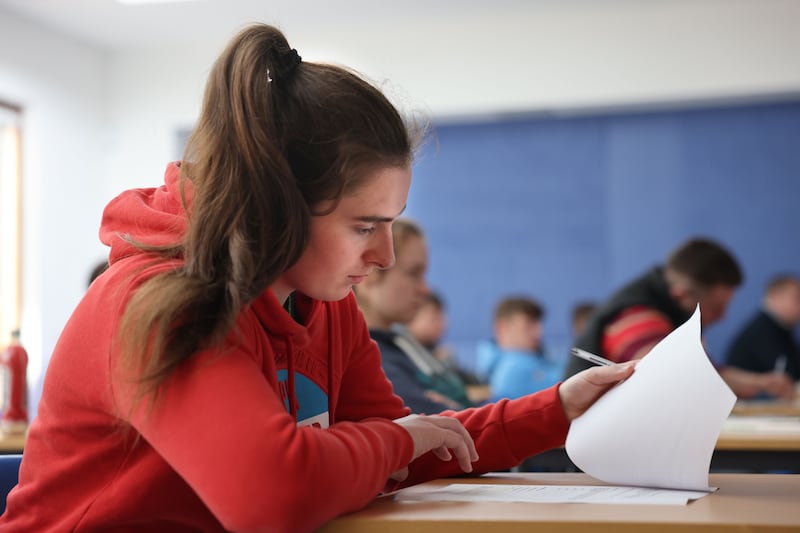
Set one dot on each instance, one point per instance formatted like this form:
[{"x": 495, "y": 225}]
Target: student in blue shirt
[{"x": 520, "y": 364}]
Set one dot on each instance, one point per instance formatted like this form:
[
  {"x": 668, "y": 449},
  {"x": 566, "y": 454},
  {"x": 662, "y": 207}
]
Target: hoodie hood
[
  {"x": 152, "y": 216},
  {"x": 156, "y": 216}
]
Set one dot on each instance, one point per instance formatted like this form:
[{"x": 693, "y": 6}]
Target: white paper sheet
[
  {"x": 548, "y": 494},
  {"x": 659, "y": 427}
]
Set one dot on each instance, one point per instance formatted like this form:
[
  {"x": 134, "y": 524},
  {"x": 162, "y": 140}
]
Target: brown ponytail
[{"x": 276, "y": 137}]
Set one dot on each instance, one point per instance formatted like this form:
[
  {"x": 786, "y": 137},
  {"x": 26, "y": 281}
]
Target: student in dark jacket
[
  {"x": 640, "y": 314},
  {"x": 766, "y": 344},
  {"x": 635, "y": 318},
  {"x": 389, "y": 300}
]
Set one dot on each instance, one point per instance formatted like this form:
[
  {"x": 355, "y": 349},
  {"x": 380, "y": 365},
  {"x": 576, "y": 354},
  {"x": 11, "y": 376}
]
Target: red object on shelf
[{"x": 13, "y": 387}]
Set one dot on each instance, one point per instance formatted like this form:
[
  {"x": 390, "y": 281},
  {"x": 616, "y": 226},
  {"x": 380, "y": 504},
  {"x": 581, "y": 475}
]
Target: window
[{"x": 10, "y": 221}]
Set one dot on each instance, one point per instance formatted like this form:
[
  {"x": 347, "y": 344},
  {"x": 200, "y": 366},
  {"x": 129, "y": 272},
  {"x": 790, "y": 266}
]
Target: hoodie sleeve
[{"x": 505, "y": 432}]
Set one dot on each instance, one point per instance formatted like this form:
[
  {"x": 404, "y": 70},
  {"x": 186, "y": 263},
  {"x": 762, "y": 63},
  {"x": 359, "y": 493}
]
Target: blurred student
[
  {"x": 521, "y": 365},
  {"x": 219, "y": 376},
  {"x": 98, "y": 269},
  {"x": 635, "y": 318},
  {"x": 766, "y": 345},
  {"x": 430, "y": 323},
  {"x": 640, "y": 314},
  {"x": 579, "y": 317},
  {"x": 428, "y": 326},
  {"x": 389, "y": 300}
]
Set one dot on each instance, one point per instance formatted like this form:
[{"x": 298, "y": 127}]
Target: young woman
[{"x": 219, "y": 375}]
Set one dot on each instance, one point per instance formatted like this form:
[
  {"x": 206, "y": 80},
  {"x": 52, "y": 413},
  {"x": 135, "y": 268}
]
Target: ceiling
[{"x": 111, "y": 25}]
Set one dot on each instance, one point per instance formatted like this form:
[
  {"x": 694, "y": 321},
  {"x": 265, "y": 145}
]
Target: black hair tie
[
  {"x": 284, "y": 65},
  {"x": 288, "y": 61}
]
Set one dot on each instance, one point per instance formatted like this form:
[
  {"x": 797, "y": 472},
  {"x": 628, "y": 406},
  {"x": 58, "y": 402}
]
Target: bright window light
[{"x": 10, "y": 230}]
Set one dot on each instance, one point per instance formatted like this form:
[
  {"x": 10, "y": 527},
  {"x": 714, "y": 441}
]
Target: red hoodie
[{"x": 290, "y": 426}]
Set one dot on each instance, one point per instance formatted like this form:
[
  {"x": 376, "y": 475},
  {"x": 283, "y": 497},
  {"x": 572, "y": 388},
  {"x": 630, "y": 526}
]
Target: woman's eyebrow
[{"x": 374, "y": 219}]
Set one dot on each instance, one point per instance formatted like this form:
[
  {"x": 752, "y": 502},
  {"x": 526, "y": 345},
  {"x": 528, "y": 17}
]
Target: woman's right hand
[{"x": 444, "y": 436}]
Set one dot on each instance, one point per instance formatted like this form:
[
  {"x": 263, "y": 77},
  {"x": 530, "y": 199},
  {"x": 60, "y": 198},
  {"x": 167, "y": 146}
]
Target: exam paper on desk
[
  {"x": 469, "y": 492},
  {"x": 659, "y": 427}
]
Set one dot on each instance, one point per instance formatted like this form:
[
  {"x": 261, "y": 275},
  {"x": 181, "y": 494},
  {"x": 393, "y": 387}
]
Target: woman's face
[{"x": 346, "y": 245}]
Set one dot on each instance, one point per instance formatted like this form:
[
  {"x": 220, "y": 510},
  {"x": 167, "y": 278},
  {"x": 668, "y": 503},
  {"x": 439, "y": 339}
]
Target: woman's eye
[{"x": 366, "y": 231}]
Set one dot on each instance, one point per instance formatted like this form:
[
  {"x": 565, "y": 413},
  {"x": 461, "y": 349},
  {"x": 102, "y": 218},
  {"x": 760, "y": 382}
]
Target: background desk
[
  {"x": 746, "y": 444},
  {"x": 744, "y": 502},
  {"x": 11, "y": 444},
  {"x": 767, "y": 408},
  {"x": 758, "y": 443}
]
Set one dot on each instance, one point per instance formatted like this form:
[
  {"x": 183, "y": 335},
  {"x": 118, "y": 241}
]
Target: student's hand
[
  {"x": 580, "y": 391},
  {"x": 444, "y": 400},
  {"x": 747, "y": 384},
  {"x": 442, "y": 435},
  {"x": 779, "y": 385}
]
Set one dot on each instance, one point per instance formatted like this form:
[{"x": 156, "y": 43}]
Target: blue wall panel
[{"x": 566, "y": 209}]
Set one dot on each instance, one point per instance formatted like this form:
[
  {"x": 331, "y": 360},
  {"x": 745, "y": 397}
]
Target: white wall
[
  {"x": 100, "y": 121},
  {"x": 61, "y": 86},
  {"x": 474, "y": 59}
]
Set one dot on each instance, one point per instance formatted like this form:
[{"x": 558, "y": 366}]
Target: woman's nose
[{"x": 382, "y": 252}]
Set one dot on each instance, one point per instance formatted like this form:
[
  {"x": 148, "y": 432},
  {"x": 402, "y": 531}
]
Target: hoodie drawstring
[
  {"x": 290, "y": 370},
  {"x": 330, "y": 367},
  {"x": 290, "y": 377}
]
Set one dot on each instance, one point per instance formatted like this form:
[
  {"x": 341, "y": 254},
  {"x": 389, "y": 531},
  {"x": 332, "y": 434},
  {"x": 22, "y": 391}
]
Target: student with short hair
[
  {"x": 636, "y": 317},
  {"x": 522, "y": 365},
  {"x": 219, "y": 375},
  {"x": 389, "y": 300},
  {"x": 766, "y": 347},
  {"x": 428, "y": 327},
  {"x": 579, "y": 316},
  {"x": 429, "y": 322}
]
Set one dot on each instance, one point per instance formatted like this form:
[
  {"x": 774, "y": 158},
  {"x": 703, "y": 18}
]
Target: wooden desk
[
  {"x": 744, "y": 502},
  {"x": 10, "y": 444}
]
